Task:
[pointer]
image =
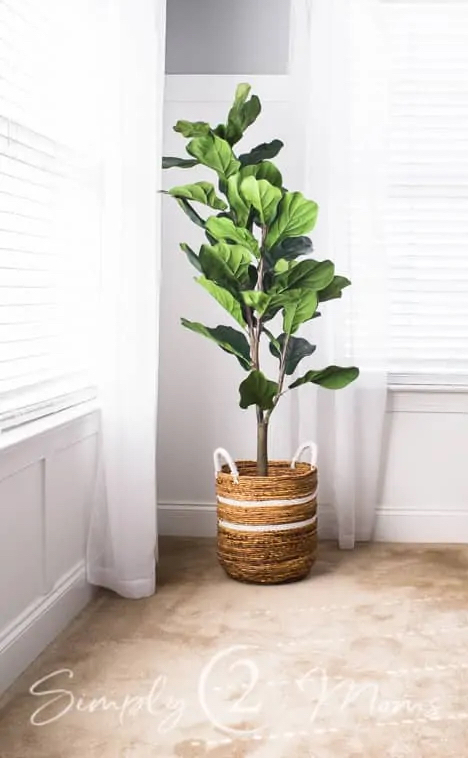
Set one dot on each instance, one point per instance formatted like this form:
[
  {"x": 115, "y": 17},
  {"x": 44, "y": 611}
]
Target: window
[
  {"x": 245, "y": 37},
  {"x": 427, "y": 203},
  {"x": 49, "y": 208}
]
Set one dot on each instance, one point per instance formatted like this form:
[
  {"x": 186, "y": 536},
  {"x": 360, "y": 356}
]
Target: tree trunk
[{"x": 262, "y": 446}]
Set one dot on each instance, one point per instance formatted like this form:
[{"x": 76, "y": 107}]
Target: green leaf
[
  {"x": 228, "y": 265},
  {"x": 262, "y": 152},
  {"x": 191, "y": 212},
  {"x": 242, "y": 114},
  {"x": 250, "y": 112},
  {"x": 332, "y": 377},
  {"x": 274, "y": 307},
  {"x": 300, "y": 307},
  {"x": 200, "y": 192},
  {"x": 224, "y": 298},
  {"x": 263, "y": 196},
  {"x": 237, "y": 257},
  {"x": 263, "y": 170},
  {"x": 178, "y": 162},
  {"x": 297, "y": 349},
  {"x": 220, "y": 131},
  {"x": 279, "y": 276},
  {"x": 273, "y": 341},
  {"x": 289, "y": 249},
  {"x": 259, "y": 301},
  {"x": 192, "y": 128},
  {"x": 314, "y": 275},
  {"x": 231, "y": 132},
  {"x": 215, "y": 153},
  {"x": 257, "y": 390},
  {"x": 334, "y": 289},
  {"x": 242, "y": 93},
  {"x": 296, "y": 216},
  {"x": 253, "y": 276},
  {"x": 281, "y": 266},
  {"x": 191, "y": 255},
  {"x": 228, "y": 339},
  {"x": 217, "y": 270},
  {"x": 224, "y": 229},
  {"x": 239, "y": 205}
]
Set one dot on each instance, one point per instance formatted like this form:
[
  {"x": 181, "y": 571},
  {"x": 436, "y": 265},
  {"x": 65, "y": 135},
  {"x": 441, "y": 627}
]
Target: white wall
[
  {"x": 425, "y": 473},
  {"x": 46, "y": 478}
]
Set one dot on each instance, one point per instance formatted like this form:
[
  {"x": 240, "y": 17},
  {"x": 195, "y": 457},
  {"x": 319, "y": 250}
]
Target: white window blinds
[
  {"x": 49, "y": 207},
  {"x": 427, "y": 202}
]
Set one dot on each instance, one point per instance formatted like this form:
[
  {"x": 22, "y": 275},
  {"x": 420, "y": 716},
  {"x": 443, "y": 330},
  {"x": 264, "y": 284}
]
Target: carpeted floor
[{"x": 368, "y": 657}]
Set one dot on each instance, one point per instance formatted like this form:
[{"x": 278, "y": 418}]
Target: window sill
[
  {"x": 427, "y": 399},
  {"x": 448, "y": 384},
  {"x": 434, "y": 389},
  {"x": 32, "y": 429}
]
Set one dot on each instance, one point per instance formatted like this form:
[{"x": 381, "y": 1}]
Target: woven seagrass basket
[{"x": 267, "y": 526}]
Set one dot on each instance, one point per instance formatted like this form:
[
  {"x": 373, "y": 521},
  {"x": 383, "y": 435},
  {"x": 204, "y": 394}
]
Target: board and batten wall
[
  {"x": 424, "y": 492},
  {"x": 47, "y": 472}
]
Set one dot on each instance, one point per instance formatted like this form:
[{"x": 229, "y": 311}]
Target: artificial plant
[{"x": 256, "y": 261}]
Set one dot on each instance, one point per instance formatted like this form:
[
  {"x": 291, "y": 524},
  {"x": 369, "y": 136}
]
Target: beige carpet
[{"x": 367, "y": 658}]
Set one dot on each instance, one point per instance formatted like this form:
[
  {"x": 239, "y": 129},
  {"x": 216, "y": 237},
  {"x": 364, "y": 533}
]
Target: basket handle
[
  {"x": 218, "y": 455},
  {"x": 306, "y": 446}
]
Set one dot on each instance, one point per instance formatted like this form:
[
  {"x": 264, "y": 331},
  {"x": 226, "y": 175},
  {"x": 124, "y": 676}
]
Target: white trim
[
  {"x": 429, "y": 386},
  {"x": 290, "y": 527},
  {"x": 26, "y": 637},
  {"x": 14, "y": 437},
  {"x": 218, "y": 88},
  {"x": 267, "y": 503},
  {"x": 421, "y": 526},
  {"x": 38, "y": 410},
  {"x": 181, "y": 519},
  {"x": 427, "y": 400}
]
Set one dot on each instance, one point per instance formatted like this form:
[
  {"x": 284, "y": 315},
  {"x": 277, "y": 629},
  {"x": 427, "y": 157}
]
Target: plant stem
[
  {"x": 251, "y": 329},
  {"x": 282, "y": 373},
  {"x": 262, "y": 420},
  {"x": 262, "y": 444}
]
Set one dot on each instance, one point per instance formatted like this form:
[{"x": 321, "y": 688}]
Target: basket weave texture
[{"x": 259, "y": 539}]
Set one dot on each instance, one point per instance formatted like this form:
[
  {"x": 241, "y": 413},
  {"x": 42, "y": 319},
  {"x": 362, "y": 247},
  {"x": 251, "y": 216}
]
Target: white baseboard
[
  {"x": 24, "y": 639},
  {"x": 416, "y": 526},
  {"x": 424, "y": 526},
  {"x": 188, "y": 520}
]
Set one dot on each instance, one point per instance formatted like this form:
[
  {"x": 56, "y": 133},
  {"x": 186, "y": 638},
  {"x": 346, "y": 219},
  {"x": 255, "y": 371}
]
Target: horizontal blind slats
[
  {"x": 426, "y": 211},
  {"x": 26, "y": 332},
  {"x": 50, "y": 205},
  {"x": 32, "y": 373}
]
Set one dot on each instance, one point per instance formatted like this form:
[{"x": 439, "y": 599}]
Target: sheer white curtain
[
  {"x": 345, "y": 174},
  {"x": 122, "y": 540}
]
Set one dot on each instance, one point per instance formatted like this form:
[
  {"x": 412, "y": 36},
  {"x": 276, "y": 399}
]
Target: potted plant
[{"x": 256, "y": 263}]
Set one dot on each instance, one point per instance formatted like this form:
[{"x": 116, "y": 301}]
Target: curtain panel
[
  {"x": 122, "y": 540},
  {"x": 343, "y": 84}
]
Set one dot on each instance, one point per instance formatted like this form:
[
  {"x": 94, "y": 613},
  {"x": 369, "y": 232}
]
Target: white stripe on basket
[
  {"x": 266, "y": 503},
  {"x": 266, "y": 527}
]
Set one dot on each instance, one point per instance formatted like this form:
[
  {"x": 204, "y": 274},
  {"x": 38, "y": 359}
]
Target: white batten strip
[
  {"x": 266, "y": 503},
  {"x": 267, "y": 527}
]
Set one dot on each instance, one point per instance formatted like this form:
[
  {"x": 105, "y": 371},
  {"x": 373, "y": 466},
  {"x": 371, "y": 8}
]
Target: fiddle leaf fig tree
[{"x": 255, "y": 260}]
